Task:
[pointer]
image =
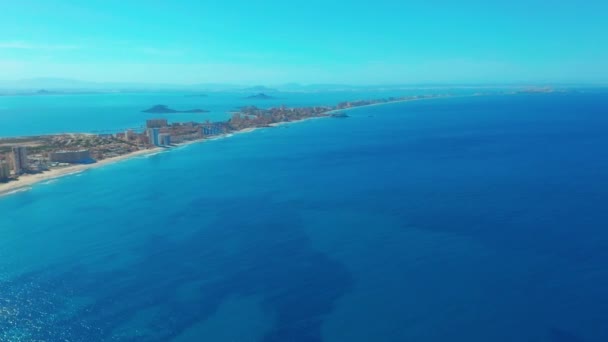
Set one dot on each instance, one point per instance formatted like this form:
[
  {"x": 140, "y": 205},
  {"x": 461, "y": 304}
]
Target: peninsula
[
  {"x": 162, "y": 109},
  {"x": 28, "y": 160}
]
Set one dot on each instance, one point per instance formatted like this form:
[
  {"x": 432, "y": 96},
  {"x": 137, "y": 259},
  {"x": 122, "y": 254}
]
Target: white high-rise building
[
  {"x": 153, "y": 136},
  {"x": 5, "y": 171},
  {"x": 19, "y": 158},
  {"x": 164, "y": 139}
]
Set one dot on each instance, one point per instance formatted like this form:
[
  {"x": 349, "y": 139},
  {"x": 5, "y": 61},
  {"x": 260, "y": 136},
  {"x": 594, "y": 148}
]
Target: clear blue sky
[{"x": 312, "y": 41}]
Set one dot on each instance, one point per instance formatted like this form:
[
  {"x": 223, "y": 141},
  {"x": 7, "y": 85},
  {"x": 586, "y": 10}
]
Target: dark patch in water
[
  {"x": 253, "y": 250},
  {"x": 558, "y": 335}
]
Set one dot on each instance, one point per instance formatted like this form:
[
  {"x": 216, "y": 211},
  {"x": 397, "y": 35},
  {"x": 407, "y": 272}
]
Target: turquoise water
[
  {"x": 114, "y": 112},
  {"x": 465, "y": 219}
]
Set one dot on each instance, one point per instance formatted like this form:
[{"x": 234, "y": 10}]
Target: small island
[
  {"x": 45, "y": 92},
  {"x": 261, "y": 96},
  {"x": 162, "y": 109},
  {"x": 259, "y": 89}
]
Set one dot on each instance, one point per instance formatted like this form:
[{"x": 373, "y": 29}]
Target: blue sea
[{"x": 465, "y": 219}]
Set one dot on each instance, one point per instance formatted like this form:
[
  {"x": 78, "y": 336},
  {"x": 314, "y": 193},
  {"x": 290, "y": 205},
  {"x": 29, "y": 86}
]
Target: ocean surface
[
  {"x": 466, "y": 219},
  {"x": 117, "y": 112}
]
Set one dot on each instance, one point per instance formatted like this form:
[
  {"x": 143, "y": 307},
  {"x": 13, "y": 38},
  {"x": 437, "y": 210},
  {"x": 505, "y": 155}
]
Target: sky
[{"x": 313, "y": 41}]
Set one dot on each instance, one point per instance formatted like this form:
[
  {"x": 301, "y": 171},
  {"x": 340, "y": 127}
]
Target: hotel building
[
  {"x": 153, "y": 136},
  {"x": 129, "y": 135},
  {"x": 72, "y": 157},
  {"x": 5, "y": 171},
  {"x": 164, "y": 139},
  {"x": 156, "y": 123},
  {"x": 19, "y": 159}
]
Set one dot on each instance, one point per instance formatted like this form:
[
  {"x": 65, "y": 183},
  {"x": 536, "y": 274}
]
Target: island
[
  {"x": 259, "y": 89},
  {"x": 45, "y": 92},
  {"x": 162, "y": 109},
  {"x": 260, "y": 96}
]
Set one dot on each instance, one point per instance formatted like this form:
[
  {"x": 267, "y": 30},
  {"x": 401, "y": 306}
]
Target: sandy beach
[{"x": 26, "y": 181}]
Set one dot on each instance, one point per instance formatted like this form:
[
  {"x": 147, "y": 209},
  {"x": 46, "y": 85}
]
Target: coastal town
[
  {"x": 38, "y": 154},
  {"x": 23, "y": 156}
]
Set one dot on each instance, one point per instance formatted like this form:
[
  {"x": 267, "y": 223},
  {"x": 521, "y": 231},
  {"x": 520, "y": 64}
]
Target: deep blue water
[{"x": 466, "y": 219}]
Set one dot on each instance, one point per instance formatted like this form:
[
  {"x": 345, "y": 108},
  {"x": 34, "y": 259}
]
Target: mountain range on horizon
[{"x": 49, "y": 85}]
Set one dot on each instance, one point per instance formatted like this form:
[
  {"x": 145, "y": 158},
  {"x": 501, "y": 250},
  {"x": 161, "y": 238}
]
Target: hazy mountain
[
  {"x": 66, "y": 85},
  {"x": 259, "y": 89}
]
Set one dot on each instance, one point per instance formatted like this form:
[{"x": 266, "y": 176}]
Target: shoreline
[
  {"x": 399, "y": 101},
  {"x": 25, "y": 182}
]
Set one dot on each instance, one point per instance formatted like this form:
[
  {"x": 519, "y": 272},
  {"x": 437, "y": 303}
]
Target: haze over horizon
[{"x": 242, "y": 42}]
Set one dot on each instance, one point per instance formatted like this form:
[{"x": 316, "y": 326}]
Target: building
[
  {"x": 5, "y": 171},
  {"x": 72, "y": 157},
  {"x": 153, "y": 138},
  {"x": 129, "y": 135},
  {"x": 211, "y": 129},
  {"x": 164, "y": 139},
  {"x": 19, "y": 159},
  {"x": 156, "y": 123},
  {"x": 142, "y": 139}
]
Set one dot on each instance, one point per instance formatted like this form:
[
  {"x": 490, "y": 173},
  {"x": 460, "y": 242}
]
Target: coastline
[
  {"x": 398, "y": 101},
  {"x": 25, "y": 182}
]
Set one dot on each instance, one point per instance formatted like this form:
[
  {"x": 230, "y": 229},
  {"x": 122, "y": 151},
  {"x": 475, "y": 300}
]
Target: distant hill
[
  {"x": 71, "y": 86},
  {"x": 260, "y": 96},
  {"x": 35, "y": 84},
  {"x": 259, "y": 89},
  {"x": 162, "y": 109},
  {"x": 46, "y": 92},
  {"x": 65, "y": 85}
]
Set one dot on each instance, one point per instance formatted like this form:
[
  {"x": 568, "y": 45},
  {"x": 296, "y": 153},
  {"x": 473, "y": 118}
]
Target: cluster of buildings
[
  {"x": 64, "y": 149},
  {"x": 15, "y": 163},
  {"x": 160, "y": 133},
  {"x": 71, "y": 157}
]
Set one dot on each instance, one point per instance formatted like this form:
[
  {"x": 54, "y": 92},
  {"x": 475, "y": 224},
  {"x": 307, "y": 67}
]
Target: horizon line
[{"x": 7, "y": 84}]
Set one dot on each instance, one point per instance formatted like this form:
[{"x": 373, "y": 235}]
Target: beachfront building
[
  {"x": 211, "y": 129},
  {"x": 19, "y": 159},
  {"x": 71, "y": 157},
  {"x": 153, "y": 136},
  {"x": 142, "y": 139},
  {"x": 164, "y": 139},
  {"x": 129, "y": 135},
  {"x": 156, "y": 123},
  {"x": 5, "y": 171}
]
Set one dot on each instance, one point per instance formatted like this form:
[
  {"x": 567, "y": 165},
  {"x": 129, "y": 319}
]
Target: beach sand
[{"x": 26, "y": 181}]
